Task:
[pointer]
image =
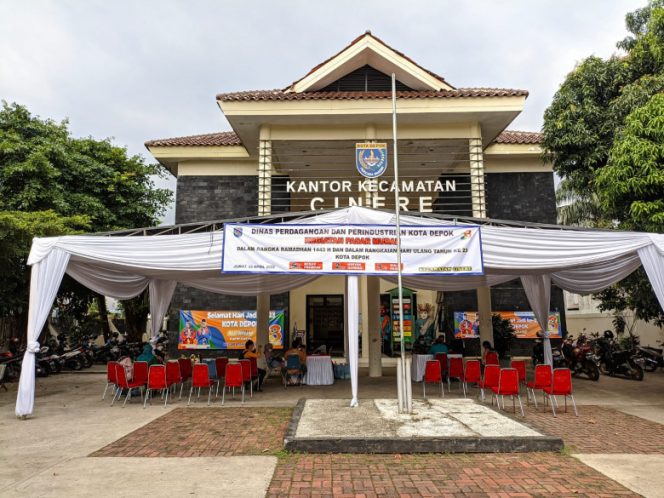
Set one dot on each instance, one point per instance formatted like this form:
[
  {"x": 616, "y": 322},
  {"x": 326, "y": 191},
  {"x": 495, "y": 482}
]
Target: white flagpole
[{"x": 406, "y": 402}]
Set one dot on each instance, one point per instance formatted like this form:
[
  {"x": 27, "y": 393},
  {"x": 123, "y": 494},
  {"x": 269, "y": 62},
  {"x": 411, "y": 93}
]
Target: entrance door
[{"x": 325, "y": 322}]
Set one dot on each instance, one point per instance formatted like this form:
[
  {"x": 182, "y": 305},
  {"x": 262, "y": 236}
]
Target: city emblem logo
[
  {"x": 371, "y": 159},
  {"x": 237, "y": 231}
]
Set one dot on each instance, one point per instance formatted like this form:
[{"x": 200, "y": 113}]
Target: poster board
[
  {"x": 466, "y": 324},
  {"x": 226, "y": 329}
]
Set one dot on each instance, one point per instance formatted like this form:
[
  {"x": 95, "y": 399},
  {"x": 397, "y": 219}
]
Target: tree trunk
[
  {"x": 136, "y": 316},
  {"x": 103, "y": 316}
]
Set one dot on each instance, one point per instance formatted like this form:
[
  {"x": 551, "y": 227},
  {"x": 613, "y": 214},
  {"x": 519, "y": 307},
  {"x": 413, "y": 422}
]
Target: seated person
[
  {"x": 148, "y": 356},
  {"x": 486, "y": 348},
  {"x": 438, "y": 345},
  {"x": 250, "y": 352},
  {"x": 297, "y": 349},
  {"x": 272, "y": 359}
]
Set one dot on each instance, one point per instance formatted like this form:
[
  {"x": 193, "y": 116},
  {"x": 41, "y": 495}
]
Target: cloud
[{"x": 150, "y": 69}]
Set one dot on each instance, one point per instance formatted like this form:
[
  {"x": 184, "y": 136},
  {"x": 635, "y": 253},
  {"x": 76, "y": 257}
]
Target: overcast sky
[{"x": 138, "y": 70}]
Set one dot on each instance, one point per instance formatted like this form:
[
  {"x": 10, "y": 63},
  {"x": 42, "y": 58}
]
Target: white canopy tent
[{"x": 580, "y": 261}]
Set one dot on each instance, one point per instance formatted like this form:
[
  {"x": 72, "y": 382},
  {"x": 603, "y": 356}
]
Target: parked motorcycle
[
  {"x": 578, "y": 357},
  {"x": 614, "y": 361},
  {"x": 652, "y": 357}
]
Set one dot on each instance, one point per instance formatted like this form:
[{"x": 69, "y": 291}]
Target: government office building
[{"x": 293, "y": 150}]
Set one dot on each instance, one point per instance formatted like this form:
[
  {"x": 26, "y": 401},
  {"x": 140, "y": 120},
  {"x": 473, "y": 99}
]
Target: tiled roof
[
  {"x": 263, "y": 95},
  {"x": 356, "y": 40},
  {"x": 208, "y": 139},
  {"x": 518, "y": 137},
  {"x": 230, "y": 138}
]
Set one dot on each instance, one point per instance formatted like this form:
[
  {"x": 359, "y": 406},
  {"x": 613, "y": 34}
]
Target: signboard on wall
[
  {"x": 467, "y": 323},
  {"x": 351, "y": 249},
  {"x": 226, "y": 329}
]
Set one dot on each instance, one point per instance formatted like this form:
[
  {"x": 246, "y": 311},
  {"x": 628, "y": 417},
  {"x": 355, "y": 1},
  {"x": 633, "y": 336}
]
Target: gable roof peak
[{"x": 368, "y": 49}]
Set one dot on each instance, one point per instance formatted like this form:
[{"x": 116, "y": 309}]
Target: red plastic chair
[
  {"x": 123, "y": 383},
  {"x": 456, "y": 372},
  {"x": 520, "y": 366},
  {"x": 111, "y": 378},
  {"x": 201, "y": 378},
  {"x": 508, "y": 385},
  {"x": 156, "y": 381},
  {"x": 472, "y": 373},
  {"x": 141, "y": 372},
  {"x": 173, "y": 375},
  {"x": 490, "y": 380},
  {"x": 492, "y": 358},
  {"x": 254, "y": 371},
  {"x": 432, "y": 375},
  {"x": 246, "y": 375},
  {"x": 543, "y": 378},
  {"x": 233, "y": 378},
  {"x": 220, "y": 363},
  {"x": 561, "y": 386},
  {"x": 442, "y": 359},
  {"x": 185, "y": 368}
]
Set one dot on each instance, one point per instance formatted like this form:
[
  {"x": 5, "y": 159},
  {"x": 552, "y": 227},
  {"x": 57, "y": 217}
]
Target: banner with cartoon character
[
  {"x": 467, "y": 324},
  {"x": 226, "y": 329}
]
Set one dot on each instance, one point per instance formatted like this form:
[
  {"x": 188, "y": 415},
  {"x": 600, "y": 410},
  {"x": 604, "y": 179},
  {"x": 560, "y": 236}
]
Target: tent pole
[{"x": 407, "y": 403}]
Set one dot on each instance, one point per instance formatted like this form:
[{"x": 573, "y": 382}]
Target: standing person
[{"x": 251, "y": 352}]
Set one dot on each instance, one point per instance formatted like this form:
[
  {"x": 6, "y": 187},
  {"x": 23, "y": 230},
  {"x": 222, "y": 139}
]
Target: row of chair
[
  {"x": 166, "y": 377},
  {"x": 501, "y": 381}
]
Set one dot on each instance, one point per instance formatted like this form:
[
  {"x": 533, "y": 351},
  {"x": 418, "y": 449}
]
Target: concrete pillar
[
  {"x": 373, "y": 331},
  {"x": 476, "y": 157},
  {"x": 262, "y": 318},
  {"x": 484, "y": 308},
  {"x": 264, "y": 173},
  {"x": 346, "y": 318},
  {"x": 364, "y": 316}
]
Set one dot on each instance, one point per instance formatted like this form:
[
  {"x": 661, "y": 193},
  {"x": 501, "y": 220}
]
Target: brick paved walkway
[
  {"x": 202, "y": 432},
  {"x": 599, "y": 430},
  {"x": 524, "y": 474}
]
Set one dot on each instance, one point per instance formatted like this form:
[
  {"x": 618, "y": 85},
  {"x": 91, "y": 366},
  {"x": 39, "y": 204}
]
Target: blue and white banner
[{"x": 351, "y": 249}]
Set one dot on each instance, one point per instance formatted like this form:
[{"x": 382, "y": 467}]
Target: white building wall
[{"x": 582, "y": 312}]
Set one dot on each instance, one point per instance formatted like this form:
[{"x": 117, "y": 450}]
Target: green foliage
[
  {"x": 52, "y": 184},
  {"x": 604, "y": 135},
  {"x": 43, "y": 168},
  {"x": 631, "y": 186},
  {"x": 16, "y": 232},
  {"x": 503, "y": 334}
]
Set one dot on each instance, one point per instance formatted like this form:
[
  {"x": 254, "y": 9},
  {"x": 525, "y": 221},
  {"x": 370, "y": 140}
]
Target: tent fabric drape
[
  {"x": 161, "y": 293},
  {"x": 353, "y": 310},
  {"x": 538, "y": 292},
  {"x": 580, "y": 261},
  {"x": 45, "y": 278}
]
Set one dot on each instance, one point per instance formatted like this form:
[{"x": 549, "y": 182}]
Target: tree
[
  {"x": 604, "y": 135},
  {"x": 52, "y": 183}
]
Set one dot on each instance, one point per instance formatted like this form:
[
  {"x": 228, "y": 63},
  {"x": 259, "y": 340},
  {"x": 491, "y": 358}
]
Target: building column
[
  {"x": 373, "y": 331},
  {"x": 484, "y": 309},
  {"x": 477, "y": 193},
  {"x": 263, "y": 319},
  {"x": 264, "y": 173},
  {"x": 478, "y": 199}
]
